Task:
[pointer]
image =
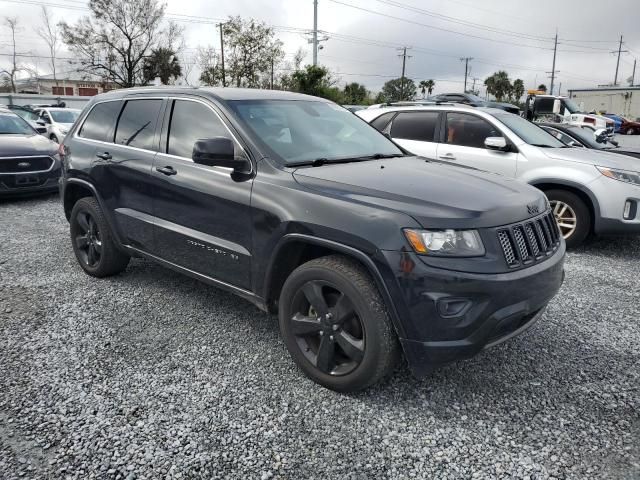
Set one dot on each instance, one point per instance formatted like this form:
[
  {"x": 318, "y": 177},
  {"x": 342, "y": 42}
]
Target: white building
[
  {"x": 67, "y": 84},
  {"x": 623, "y": 101}
]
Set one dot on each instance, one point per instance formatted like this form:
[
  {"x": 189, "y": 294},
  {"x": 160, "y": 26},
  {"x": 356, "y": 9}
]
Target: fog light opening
[{"x": 630, "y": 207}]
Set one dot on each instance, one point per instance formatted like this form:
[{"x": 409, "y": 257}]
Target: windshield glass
[
  {"x": 14, "y": 125},
  {"x": 64, "y": 116},
  {"x": 586, "y": 136},
  {"x": 529, "y": 132},
  {"x": 300, "y": 130},
  {"x": 571, "y": 105},
  {"x": 27, "y": 115}
]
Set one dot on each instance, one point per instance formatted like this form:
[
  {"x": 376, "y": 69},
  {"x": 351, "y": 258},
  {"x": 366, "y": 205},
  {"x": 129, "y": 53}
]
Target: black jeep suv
[{"x": 300, "y": 207}]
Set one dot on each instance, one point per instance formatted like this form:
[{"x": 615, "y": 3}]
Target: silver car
[
  {"x": 590, "y": 191},
  {"x": 58, "y": 121}
]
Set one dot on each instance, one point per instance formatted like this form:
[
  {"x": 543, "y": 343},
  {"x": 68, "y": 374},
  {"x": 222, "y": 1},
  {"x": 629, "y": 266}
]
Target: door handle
[
  {"x": 167, "y": 170},
  {"x": 104, "y": 156},
  {"x": 447, "y": 156}
]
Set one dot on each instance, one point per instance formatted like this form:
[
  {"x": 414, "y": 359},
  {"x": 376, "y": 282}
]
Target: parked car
[
  {"x": 590, "y": 191},
  {"x": 585, "y": 137},
  {"x": 474, "y": 101},
  {"x": 58, "y": 121},
  {"x": 29, "y": 163},
  {"x": 617, "y": 121},
  {"x": 354, "y": 108},
  {"x": 629, "y": 127},
  {"x": 300, "y": 207},
  {"x": 30, "y": 117}
]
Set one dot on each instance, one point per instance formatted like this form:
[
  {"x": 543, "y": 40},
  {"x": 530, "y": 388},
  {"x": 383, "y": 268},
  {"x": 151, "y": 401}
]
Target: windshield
[
  {"x": 64, "y": 116},
  {"x": 571, "y": 106},
  {"x": 586, "y": 136},
  {"x": 27, "y": 115},
  {"x": 529, "y": 132},
  {"x": 301, "y": 130},
  {"x": 14, "y": 125}
]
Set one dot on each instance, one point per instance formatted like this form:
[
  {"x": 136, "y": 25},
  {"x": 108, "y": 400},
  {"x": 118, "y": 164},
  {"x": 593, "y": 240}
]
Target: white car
[
  {"x": 590, "y": 190},
  {"x": 58, "y": 121}
]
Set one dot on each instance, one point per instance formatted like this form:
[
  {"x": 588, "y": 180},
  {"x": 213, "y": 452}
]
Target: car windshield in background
[
  {"x": 300, "y": 131},
  {"x": 64, "y": 116},
  {"x": 585, "y": 135},
  {"x": 27, "y": 115},
  {"x": 14, "y": 125},
  {"x": 529, "y": 132}
]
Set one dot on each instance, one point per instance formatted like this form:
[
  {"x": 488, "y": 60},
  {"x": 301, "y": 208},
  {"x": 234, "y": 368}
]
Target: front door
[
  {"x": 463, "y": 144},
  {"x": 203, "y": 217}
]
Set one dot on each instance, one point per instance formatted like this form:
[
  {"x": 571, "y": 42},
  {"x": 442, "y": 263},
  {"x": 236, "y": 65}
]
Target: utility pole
[
  {"x": 404, "y": 61},
  {"x": 633, "y": 75},
  {"x": 271, "y": 73},
  {"x": 553, "y": 67},
  {"x": 560, "y": 89},
  {"x": 615, "y": 79},
  {"x": 466, "y": 70},
  {"x": 475, "y": 79},
  {"x": 315, "y": 32},
  {"x": 221, "y": 25}
]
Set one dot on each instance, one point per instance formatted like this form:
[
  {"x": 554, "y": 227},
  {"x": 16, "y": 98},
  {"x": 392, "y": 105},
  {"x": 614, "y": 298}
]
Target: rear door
[
  {"x": 203, "y": 214},
  {"x": 463, "y": 144},
  {"x": 416, "y": 131}
]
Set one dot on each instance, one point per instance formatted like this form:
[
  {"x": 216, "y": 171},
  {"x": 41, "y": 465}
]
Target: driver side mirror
[
  {"x": 496, "y": 143},
  {"x": 218, "y": 152},
  {"x": 600, "y": 135},
  {"x": 41, "y": 122}
]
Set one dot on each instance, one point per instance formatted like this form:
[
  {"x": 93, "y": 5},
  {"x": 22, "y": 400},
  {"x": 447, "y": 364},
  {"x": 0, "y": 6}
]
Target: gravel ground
[{"x": 153, "y": 375}]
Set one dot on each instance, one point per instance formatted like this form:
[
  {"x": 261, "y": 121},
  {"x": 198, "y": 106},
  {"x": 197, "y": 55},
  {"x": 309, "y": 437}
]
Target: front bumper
[
  {"x": 612, "y": 196},
  {"x": 27, "y": 183},
  {"x": 447, "y": 315}
]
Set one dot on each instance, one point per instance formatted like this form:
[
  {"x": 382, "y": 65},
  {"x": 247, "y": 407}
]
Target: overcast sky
[{"x": 362, "y": 41}]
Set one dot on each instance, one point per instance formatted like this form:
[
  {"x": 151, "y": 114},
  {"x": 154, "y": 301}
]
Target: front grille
[
  {"x": 25, "y": 164},
  {"x": 528, "y": 242}
]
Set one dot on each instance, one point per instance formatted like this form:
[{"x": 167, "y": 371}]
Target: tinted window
[
  {"x": 415, "y": 126},
  {"x": 98, "y": 123},
  {"x": 544, "y": 105},
  {"x": 469, "y": 130},
  {"x": 191, "y": 121},
  {"x": 382, "y": 121},
  {"x": 11, "y": 124},
  {"x": 137, "y": 123}
]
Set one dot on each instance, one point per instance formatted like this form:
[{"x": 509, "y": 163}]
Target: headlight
[
  {"x": 446, "y": 243},
  {"x": 626, "y": 176}
]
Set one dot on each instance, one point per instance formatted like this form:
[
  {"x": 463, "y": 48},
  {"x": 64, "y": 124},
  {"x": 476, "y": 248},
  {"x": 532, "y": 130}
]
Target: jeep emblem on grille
[
  {"x": 24, "y": 165},
  {"x": 532, "y": 208}
]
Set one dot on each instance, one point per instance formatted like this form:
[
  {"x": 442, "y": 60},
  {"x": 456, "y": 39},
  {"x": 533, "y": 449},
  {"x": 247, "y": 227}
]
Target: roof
[
  {"x": 218, "y": 93},
  {"x": 371, "y": 113}
]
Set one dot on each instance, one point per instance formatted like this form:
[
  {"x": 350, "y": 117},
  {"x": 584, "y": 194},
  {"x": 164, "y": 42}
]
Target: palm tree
[{"x": 426, "y": 86}]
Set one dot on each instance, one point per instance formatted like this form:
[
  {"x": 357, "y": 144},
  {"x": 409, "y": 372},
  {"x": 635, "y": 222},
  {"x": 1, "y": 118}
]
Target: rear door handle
[
  {"x": 167, "y": 170},
  {"x": 447, "y": 156},
  {"x": 104, "y": 156}
]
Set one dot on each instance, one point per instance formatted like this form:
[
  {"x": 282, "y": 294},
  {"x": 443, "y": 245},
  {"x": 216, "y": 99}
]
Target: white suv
[
  {"x": 590, "y": 191},
  {"x": 58, "y": 121}
]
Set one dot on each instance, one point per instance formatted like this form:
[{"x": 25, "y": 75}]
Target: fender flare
[{"x": 577, "y": 186}]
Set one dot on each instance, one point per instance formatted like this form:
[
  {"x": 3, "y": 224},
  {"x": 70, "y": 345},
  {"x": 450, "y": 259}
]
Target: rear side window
[
  {"x": 382, "y": 121},
  {"x": 468, "y": 130},
  {"x": 192, "y": 121},
  {"x": 137, "y": 123},
  {"x": 99, "y": 121},
  {"x": 419, "y": 126}
]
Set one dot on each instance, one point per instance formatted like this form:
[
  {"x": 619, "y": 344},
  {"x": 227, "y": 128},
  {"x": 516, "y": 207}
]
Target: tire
[
  {"x": 575, "y": 208},
  {"x": 93, "y": 244},
  {"x": 362, "y": 345},
  {"x": 631, "y": 131},
  {"x": 54, "y": 138}
]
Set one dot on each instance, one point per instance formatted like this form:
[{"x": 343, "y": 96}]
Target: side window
[
  {"x": 99, "y": 121},
  {"x": 469, "y": 130},
  {"x": 543, "y": 105},
  {"x": 415, "y": 126},
  {"x": 382, "y": 121},
  {"x": 191, "y": 121},
  {"x": 137, "y": 123}
]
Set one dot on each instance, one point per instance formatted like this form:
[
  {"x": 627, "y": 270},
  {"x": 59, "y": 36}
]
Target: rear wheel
[
  {"x": 54, "y": 138},
  {"x": 631, "y": 131},
  {"x": 572, "y": 216},
  {"x": 335, "y": 325},
  {"x": 92, "y": 242}
]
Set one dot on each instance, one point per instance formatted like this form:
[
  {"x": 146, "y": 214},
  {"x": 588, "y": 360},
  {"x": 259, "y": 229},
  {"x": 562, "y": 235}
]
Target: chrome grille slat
[{"x": 526, "y": 242}]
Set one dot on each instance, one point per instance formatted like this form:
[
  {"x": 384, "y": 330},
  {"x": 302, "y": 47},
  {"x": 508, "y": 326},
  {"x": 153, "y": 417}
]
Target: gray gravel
[{"x": 153, "y": 375}]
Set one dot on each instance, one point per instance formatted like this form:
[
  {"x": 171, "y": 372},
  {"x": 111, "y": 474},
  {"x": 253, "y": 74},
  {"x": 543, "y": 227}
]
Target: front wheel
[
  {"x": 335, "y": 325},
  {"x": 630, "y": 131},
  {"x": 572, "y": 216},
  {"x": 54, "y": 138}
]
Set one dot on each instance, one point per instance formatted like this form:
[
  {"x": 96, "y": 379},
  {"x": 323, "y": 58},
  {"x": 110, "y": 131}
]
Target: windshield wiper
[
  {"x": 318, "y": 162},
  {"x": 541, "y": 145}
]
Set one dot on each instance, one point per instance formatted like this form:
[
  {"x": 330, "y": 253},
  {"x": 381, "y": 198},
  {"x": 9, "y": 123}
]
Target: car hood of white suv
[{"x": 593, "y": 157}]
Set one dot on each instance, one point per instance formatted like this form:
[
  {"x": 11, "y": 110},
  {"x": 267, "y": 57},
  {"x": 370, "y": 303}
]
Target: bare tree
[
  {"x": 116, "y": 37},
  {"x": 49, "y": 32},
  {"x": 12, "y": 24}
]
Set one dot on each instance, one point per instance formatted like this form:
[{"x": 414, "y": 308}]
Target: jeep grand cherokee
[{"x": 295, "y": 204}]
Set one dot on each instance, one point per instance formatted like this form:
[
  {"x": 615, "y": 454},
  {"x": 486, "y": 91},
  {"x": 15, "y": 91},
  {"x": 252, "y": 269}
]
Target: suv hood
[
  {"x": 23, "y": 145},
  {"x": 592, "y": 157},
  {"x": 436, "y": 195}
]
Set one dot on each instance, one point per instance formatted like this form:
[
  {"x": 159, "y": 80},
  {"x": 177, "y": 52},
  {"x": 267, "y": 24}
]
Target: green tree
[
  {"x": 499, "y": 85},
  {"x": 399, "y": 89},
  {"x": 542, "y": 87},
  {"x": 162, "y": 63},
  {"x": 250, "y": 49},
  {"x": 115, "y": 38},
  {"x": 314, "y": 80},
  {"x": 355, "y": 93},
  {"x": 426, "y": 86},
  {"x": 518, "y": 89}
]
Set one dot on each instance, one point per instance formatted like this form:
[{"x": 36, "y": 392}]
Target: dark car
[
  {"x": 474, "y": 101},
  {"x": 29, "y": 163},
  {"x": 629, "y": 127},
  {"x": 576, "y": 136},
  {"x": 302, "y": 208}
]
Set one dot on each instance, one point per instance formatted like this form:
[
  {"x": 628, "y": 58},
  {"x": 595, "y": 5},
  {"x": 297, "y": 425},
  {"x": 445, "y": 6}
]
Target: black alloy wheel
[{"x": 88, "y": 240}]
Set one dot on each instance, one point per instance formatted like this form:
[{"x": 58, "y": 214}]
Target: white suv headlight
[
  {"x": 626, "y": 176},
  {"x": 446, "y": 243}
]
